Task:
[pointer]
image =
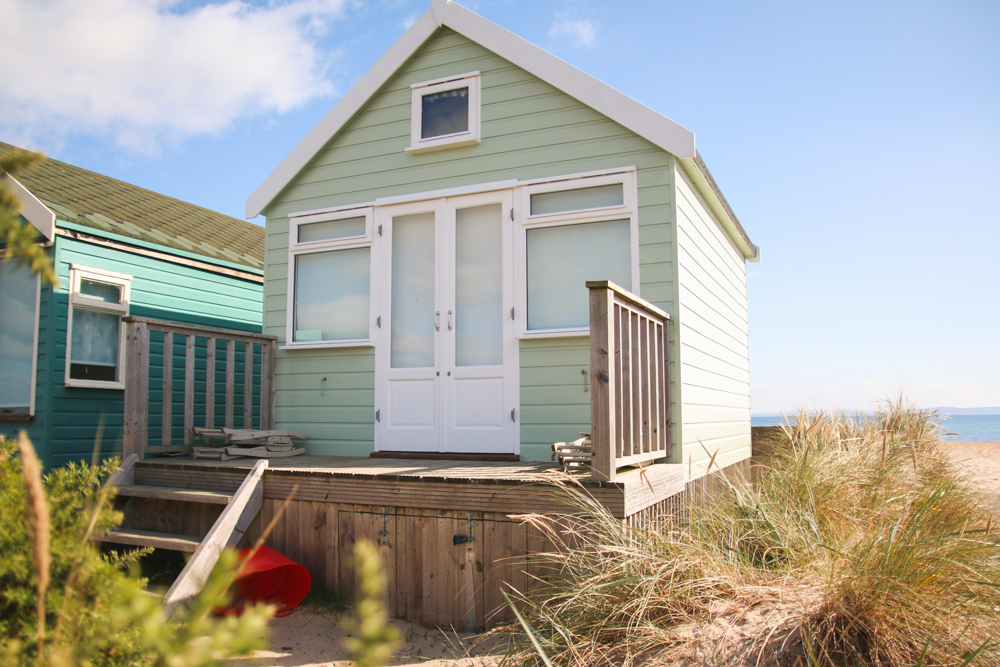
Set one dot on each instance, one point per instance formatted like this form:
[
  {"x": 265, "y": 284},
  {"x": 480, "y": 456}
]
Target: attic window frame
[
  {"x": 472, "y": 136},
  {"x": 82, "y": 301}
]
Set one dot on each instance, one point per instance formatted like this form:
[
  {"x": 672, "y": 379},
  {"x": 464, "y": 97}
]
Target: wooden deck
[{"x": 476, "y": 486}]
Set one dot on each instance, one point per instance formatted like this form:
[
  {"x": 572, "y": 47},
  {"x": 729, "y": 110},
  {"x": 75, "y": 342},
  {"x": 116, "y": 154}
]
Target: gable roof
[
  {"x": 100, "y": 202},
  {"x": 640, "y": 119}
]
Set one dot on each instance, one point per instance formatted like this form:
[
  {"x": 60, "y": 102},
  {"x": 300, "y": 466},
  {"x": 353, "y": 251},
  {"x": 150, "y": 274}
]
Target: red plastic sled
[{"x": 269, "y": 576}]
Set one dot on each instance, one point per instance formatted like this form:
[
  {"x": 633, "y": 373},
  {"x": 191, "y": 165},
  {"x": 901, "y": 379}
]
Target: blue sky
[{"x": 856, "y": 141}]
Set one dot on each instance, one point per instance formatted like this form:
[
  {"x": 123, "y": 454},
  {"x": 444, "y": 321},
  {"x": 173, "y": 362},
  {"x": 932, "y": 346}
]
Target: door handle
[
  {"x": 449, "y": 320},
  {"x": 437, "y": 321}
]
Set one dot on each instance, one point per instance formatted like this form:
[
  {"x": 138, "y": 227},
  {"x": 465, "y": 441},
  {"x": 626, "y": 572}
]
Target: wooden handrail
[
  {"x": 137, "y": 378},
  {"x": 629, "y": 401}
]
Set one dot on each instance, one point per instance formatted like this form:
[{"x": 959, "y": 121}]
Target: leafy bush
[
  {"x": 92, "y": 612},
  {"x": 861, "y": 536}
]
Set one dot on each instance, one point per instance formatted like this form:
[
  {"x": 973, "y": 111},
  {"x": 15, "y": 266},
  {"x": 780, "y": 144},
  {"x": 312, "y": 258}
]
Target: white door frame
[{"x": 437, "y": 428}]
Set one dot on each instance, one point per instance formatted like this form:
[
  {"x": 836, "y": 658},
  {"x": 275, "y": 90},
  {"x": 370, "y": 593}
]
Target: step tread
[
  {"x": 148, "y": 538},
  {"x": 175, "y": 493}
]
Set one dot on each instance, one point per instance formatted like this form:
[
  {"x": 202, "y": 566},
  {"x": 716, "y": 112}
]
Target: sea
[{"x": 961, "y": 428}]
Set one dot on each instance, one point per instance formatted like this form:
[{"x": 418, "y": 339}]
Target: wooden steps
[
  {"x": 238, "y": 512},
  {"x": 147, "y": 538},
  {"x": 173, "y": 493}
]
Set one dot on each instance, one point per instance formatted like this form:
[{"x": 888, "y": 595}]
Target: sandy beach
[{"x": 312, "y": 638}]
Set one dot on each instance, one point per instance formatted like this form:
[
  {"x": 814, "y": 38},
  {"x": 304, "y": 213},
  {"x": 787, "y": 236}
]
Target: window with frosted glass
[
  {"x": 562, "y": 201},
  {"x": 332, "y": 295},
  {"x": 562, "y": 259},
  {"x": 18, "y": 289},
  {"x": 328, "y": 230},
  {"x": 444, "y": 113}
]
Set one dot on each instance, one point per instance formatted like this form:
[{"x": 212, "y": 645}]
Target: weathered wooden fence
[
  {"x": 243, "y": 354},
  {"x": 629, "y": 404}
]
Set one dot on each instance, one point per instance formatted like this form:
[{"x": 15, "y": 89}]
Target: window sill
[
  {"x": 440, "y": 144},
  {"x": 94, "y": 384},
  {"x": 575, "y": 332},
  {"x": 361, "y": 342}
]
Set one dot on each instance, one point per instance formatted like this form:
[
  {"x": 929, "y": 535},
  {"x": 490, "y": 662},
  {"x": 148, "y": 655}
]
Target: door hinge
[
  {"x": 380, "y": 230},
  {"x": 512, "y": 312},
  {"x": 512, "y": 414},
  {"x": 378, "y": 321},
  {"x": 512, "y": 213},
  {"x": 378, "y": 415}
]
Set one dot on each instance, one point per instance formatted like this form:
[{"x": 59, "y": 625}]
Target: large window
[
  {"x": 95, "y": 354},
  {"x": 444, "y": 113},
  {"x": 575, "y": 230},
  {"x": 330, "y": 277},
  {"x": 18, "y": 328}
]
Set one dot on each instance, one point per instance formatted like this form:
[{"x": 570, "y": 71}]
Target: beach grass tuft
[{"x": 857, "y": 542}]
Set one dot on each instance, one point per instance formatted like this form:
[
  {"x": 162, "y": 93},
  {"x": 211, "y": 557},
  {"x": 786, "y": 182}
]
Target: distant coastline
[{"x": 959, "y": 424}]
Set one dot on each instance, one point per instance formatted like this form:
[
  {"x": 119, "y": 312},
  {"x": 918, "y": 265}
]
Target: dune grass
[{"x": 858, "y": 543}]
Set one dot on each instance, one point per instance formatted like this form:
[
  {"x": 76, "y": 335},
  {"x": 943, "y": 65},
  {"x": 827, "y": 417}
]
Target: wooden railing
[
  {"x": 629, "y": 403},
  {"x": 200, "y": 378}
]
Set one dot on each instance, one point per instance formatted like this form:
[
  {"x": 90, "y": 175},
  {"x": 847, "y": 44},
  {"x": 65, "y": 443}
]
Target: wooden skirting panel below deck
[{"x": 420, "y": 513}]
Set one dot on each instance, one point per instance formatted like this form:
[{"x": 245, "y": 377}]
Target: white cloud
[
  {"x": 583, "y": 32},
  {"x": 145, "y": 71}
]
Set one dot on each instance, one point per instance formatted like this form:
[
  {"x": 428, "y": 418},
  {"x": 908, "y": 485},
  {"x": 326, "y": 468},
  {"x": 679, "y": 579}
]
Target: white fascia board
[
  {"x": 596, "y": 94},
  {"x": 342, "y": 112},
  {"x": 750, "y": 252},
  {"x": 33, "y": 210}
]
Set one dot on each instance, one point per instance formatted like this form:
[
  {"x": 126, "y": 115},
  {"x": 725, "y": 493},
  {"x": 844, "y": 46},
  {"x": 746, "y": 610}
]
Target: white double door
[{"x": 445, "y": 355}]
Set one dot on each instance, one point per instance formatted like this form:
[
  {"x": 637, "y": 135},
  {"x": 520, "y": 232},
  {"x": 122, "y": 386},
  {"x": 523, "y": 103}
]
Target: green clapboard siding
[
  {"x": 714, "y": 350},
  {"x": 69, "y": 420},
  {"x": 529, "y": 130}
]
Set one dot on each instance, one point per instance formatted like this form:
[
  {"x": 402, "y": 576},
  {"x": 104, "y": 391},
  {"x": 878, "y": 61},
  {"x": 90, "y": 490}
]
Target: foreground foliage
[
  {"x": 62, "y": 603},
  {"x": 858, "y": 543}
]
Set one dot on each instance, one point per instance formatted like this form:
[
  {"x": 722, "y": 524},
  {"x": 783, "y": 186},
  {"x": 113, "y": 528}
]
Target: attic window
[{"x": 444, "y": 113}]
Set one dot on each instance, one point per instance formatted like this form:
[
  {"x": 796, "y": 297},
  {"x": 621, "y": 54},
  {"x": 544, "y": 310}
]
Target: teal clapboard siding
[
  {"x": 529, "y": 130},
  {"x": 713, "y": 326},
  {"x": 69, "y": 420}
]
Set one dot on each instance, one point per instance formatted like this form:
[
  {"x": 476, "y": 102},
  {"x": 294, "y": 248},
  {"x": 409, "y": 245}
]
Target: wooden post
[
  {"x": 168, "y": 388},
  {"x": 267, "y": 385},
  {"x": 136, "y": 388},
  {"x": 189, "y": 390},
  {"x": 602, "y": 381}
]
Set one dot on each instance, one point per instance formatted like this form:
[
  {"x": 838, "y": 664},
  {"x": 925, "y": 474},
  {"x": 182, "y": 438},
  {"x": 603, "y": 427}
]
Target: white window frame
[
  {"x": 472, "y": 81},
  {"x": 77, "y": 300},
  {"x": 525, "y": 221},
  {"x": 366, "y": 240}
]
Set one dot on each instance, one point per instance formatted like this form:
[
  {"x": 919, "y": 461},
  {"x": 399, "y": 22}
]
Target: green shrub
[{"x": 92, "y": 611}]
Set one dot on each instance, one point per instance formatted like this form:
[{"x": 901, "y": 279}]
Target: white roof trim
[
  {"x": 601, "y": 97},
  {"x": 33, "y": 210}
]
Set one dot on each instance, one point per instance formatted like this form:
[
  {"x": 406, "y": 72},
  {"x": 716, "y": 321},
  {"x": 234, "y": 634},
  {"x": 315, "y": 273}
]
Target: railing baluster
[
  {"x": 136, "y": 372},
  {"x": 189, "y": 350},
  {"x": 247, "y": 384},
  {"x": 210, "y": 383},
  {"x": 230, "y": 380},
  {"x": 168, "y": 388}
]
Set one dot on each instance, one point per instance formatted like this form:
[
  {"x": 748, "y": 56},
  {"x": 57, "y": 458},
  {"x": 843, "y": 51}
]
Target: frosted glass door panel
[
  {"x": 478, "y": 287},
  {"x": 560, "y": 262},
  {"x": 412, "y": 330}
]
